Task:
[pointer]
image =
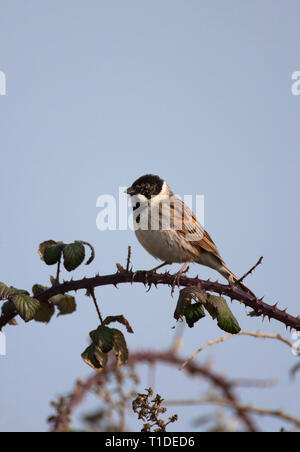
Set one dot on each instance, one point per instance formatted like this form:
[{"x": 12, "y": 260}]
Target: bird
[{"x": 166, "y": 228}]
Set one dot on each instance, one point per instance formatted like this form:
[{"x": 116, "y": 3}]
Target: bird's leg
[
  {"x": 159, "y": 266},
  {"x": 178, "y": 275}
]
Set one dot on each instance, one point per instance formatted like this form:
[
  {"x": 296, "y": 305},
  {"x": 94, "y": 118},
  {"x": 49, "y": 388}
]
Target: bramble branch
[
  {"x": 62, "y": 421},
  {"x": 259, "y": 307}
]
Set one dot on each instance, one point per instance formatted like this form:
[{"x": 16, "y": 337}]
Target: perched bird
[{"x": 169, "y": 230}]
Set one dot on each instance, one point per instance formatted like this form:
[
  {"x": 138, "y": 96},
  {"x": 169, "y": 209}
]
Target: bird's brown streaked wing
[
  {"x": 208, "y": 245},
  {"x": 191, "y": 227}
]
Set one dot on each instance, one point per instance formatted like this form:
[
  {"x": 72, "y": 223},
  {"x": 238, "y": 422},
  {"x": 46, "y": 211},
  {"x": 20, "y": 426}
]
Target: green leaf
[
  {"x": 120, "y": 347},
  {"x": 52, "y": 254},
  {"x": 198, "y": 295},
  {"x": 94, "y": 357},
  {"x": 211, "y": 305},
  {"x": 103, "y": 337},
  {"x": 6, "y": 292},
  {"x": 25, "y": 306},
  {"x": 73, "y": 255},
  {"x": 229, "y": 323},
  {"x": 43, "y": 245},
  {"x": 7, "y": 307},
  {"x": 183, "y": 302},
  {"x": 193, "y": 313},
  {"x": 44, "y": 312},
  {"x": 218, "y": 308},
  {"x": 100, "y": 356},
  {"x": 3, "y": 288},
  {"x": 66, "y": 304},
  {"x": 186, "y": 295},
  {"x": 38, "y": 289},
  {"x": 103, "y": 340}
]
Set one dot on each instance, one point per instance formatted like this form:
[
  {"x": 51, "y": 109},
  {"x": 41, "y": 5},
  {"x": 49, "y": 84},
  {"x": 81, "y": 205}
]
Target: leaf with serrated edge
[
  {"x": 6, "y": 292},
  {"x": 38, "y": 289},
  {"x": 3, "y": 288},
  {"x": 44, "y": 313},
  {"x": 218, "y": 308},
  {"x": 74, "y": 254},
  {"x": 25, "y": 306},
  {"x": 183, "y": 302},
  {"x": 103, "y": 337},
  {"x": 120, "y": 347},
  {"x": 193, "y": 313},
  {"x": 94, "y": 357},
  {"x": 66, "y": 304},
  {"x": 7, "y": 307},
  {"x": 198, "y": 294},
  {"x": 44, "y": 245},
  {"x": 101, "y": 357},
  {"x": 52, "y": 254}
]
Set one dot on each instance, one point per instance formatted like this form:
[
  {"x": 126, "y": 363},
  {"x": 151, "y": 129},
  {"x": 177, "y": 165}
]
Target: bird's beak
[{"x": 130, "y": 191}]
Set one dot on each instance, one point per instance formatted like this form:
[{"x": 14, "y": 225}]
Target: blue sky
[{"x": 99, "y": 93}]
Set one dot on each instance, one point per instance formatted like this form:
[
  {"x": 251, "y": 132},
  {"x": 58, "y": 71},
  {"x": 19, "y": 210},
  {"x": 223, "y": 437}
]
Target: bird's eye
[
  {"x": 138, "y": 218},
  {"x": 137, "y": 206}
]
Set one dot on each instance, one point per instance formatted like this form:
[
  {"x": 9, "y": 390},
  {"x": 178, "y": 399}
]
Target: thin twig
[
  {"x": 92, "y": 292},
  {"x": 128, "y": 258},
  {"x": 169, "y": 358},
  {"x": 252, "y": 383},
  {"x": 241, "y": 333},
  {"x": 58, "y": 271},
  {"x": 251, "y": 270},
  {"x": 236, "y": 405}
]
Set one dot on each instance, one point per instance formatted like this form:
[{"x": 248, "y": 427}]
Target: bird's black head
[{"x": 148, "y": 185}]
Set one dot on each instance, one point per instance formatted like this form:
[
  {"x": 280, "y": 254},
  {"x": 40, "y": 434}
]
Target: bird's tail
[{"x": 232, "y": 278}]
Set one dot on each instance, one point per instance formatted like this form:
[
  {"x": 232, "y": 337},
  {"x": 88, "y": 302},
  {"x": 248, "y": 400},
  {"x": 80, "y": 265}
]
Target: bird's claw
[{"x": 176, "y": 280}]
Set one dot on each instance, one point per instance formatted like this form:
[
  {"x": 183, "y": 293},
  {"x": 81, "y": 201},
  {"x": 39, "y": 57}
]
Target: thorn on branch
[
  {"x": 149, "y": 288},
  {"x": 141, "y": 277}
]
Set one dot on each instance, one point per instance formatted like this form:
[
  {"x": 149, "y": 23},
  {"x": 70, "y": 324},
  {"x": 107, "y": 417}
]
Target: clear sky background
[{"x": 101, "y": 92}]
